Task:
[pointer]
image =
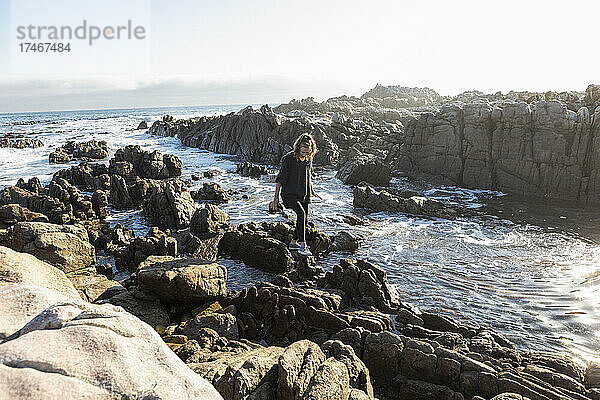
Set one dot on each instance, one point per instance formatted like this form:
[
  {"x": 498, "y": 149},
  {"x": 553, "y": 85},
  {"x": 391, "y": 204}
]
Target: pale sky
[{"x": 266, "y": 51}]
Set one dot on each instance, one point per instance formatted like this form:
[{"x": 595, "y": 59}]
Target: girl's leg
[{"x": 300, "y": 231}]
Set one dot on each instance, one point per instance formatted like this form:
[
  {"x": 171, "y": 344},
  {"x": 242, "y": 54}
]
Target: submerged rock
[{"x": 366, "y": 196}]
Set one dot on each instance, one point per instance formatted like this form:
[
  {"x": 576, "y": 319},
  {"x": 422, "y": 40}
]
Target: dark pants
[{"x": 301, "y": 210}]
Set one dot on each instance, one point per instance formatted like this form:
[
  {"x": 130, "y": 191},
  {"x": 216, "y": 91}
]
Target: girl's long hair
[{"x": 305, "y": 140}]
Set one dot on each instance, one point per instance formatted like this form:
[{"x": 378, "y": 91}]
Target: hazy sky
[{"x": 259, "y": 51}]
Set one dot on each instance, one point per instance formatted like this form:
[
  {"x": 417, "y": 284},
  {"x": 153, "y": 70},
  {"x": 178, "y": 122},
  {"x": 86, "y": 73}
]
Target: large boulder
[
  {"x": 210, "y": 191},
  {"x": 366, "y": 196},
  {"x": 149, "y": 164},
  {"x": 256, "y": 249},
  {"x": 169, "y": 207},
  {"x": 67, "y": 247},
  {"x": 10, "y": 214},
  {"x": 24, "y": 268},
  {"x": 98, "y": 350},
  {"x": 365, "y": 168},
  {"x": 183, "y": 280}
]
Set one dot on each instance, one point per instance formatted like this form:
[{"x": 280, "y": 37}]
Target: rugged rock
[
  {"x": 169, "y": 207},
  {"x": 86, "y": 176},
  {"x": 256, "y": 249},
  {"x": 93, "y": 149},
  {"x": 64, "y": 246},
  {"x": 156, "y": 242},
  {"x": 148, "y": 164},
  {"x": 208, "y": 221},
  {"x": 20, "y": 143},
  {"x": 210, "y": 191},
  {"x": 201, "y": 249},
  {"x": 10, "y": 214},
  {"x": 252, "y": 170},
  {"x": 256, "y": 135},
  {"x": 364, "y": 284},
  {"x": 540, "y": 149},
  {"x": 224, "y": 324},
  {"x": 183, "y": 280},
  {"x": 56, "y": 211},
  {"x": 365, "y": 168},
  {"x": 59, "y": 156},
  {"x": 366, "y": 196}
]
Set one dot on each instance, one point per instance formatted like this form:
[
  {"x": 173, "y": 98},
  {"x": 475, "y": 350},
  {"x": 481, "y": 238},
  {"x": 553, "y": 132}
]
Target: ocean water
[{"x": 529, "y": 270}]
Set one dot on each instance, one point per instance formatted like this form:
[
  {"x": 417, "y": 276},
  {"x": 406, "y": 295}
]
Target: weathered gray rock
[
  {"x": 20, "y": 143},
  {"x": 297, "y": 365},
  {"x": 542, "y": 149},
  {"x": 243, "y": 375},
  {"x": 208, "y": 221},
  {"x": 24, "y": 268},
  {"x": 184, "y": 280},
  {"x": 366, "y": 196},
  {"x": 148, "y": 164},
  {"x": 224, "y": 324},
  {"x": 20, "y": 302},
  {"x": 169, "y": 207},
  {"x": 88, "y": 332},
  {"x": 144, "y": 306},
  {"x": 67, "y": 247},
  {"x": 357, "y": 371},
  {"x": 331, "y": 381},
  {"x": 365, "y": 168}
]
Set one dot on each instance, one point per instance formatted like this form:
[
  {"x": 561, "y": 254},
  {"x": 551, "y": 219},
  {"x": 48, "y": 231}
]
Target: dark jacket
[{"x": 295, "y": 177}]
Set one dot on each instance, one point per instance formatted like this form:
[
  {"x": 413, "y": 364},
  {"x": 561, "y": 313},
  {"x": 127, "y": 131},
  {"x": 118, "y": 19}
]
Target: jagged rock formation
[
  {"x": 92, "y": 149},
  {"x": 20, "y": 142},
  {"x": 366, "y": 196},
  {"x": 541, "y": 149}
]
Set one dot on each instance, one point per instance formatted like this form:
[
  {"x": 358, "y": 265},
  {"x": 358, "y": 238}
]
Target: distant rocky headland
[{"x": 533, "y": 144}]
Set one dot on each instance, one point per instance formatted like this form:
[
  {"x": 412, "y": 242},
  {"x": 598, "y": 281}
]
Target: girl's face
[{"x": 304, "y": 152}]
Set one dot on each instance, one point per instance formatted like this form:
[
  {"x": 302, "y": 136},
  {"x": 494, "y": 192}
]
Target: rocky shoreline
[
  {"x": 163, "y": 324},
  {"x": 533, "y": 144}
]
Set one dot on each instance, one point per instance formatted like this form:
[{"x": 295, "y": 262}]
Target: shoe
[
  {"x": 304, "y": 250},
  {"x": 294, "y": 246}
]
